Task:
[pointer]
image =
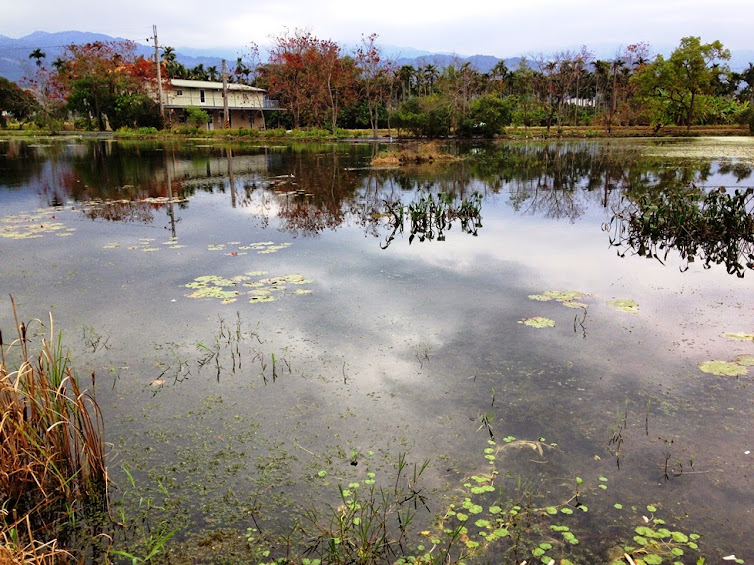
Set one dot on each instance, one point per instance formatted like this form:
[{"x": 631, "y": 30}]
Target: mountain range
[{"x": 16, "y": 64}]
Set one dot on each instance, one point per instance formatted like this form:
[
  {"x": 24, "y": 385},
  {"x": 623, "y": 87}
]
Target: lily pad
[
  {"x": 722, "y": 368},
  {"x": 572, "y": 304},
  {"x": 625, "y": 305},
  {"x": 538, "y": 322},
  {"x": 557, "y": 295},
  {"x": 744, "y": 360},
  {"x": 740, "y": 335}
]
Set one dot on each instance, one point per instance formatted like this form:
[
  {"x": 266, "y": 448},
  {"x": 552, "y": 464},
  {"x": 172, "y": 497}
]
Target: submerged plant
[{"x": 371, "y": 524}]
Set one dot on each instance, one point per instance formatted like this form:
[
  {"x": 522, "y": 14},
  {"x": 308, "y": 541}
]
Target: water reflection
[
  {"x": 430, "y": 217},
  {"x": 410, "y": 349},
  {"x": 715, "y": 227},
  {"x": 310, "y": 190}
]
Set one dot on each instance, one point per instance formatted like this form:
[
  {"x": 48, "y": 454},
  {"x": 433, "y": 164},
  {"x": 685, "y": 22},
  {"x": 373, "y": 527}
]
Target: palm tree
[
  {"x": 168, "y": 54},
  {"x": 59, "y": 64},
  {"x": 38, "y": 55},
  {"x": 242, "y": 69},
  {"x": 212, "y": 72},
  {"x": 405, "y": 76},
  {"x": 430, "y": 75},
  {"x": 198, "y": 72},
  {"x": 748, "y": 76}
]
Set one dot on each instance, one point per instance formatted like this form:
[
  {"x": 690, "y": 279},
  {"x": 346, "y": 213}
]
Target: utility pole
[
  {"x": 226, "y": 117},
  {"x": 159, "y": 72}
]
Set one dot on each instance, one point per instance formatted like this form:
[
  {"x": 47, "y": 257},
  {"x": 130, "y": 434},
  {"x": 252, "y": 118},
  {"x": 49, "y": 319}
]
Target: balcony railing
[{"x": 268, "y": 103}]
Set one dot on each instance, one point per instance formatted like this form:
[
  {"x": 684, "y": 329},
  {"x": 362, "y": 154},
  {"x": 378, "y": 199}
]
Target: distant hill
[{"x": 15, "y": 62}]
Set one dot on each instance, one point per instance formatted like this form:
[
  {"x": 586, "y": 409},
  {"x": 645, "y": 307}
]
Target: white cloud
[{"x": 484, "y": 27}]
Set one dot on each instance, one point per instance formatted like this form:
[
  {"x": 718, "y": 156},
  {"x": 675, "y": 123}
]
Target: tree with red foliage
[
  {"x": 310, "y": 77},
  {"x": 107, "y": 79}
]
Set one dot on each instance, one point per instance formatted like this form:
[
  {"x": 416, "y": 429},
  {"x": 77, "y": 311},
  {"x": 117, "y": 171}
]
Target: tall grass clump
[{"x": 52, "y": 460}]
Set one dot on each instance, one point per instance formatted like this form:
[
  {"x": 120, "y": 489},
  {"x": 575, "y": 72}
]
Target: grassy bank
[{"x": 510, "y": 133}]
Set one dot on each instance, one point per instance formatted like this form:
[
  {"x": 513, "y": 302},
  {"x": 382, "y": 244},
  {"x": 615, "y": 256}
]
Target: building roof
[{"x": 212, "y": 85}]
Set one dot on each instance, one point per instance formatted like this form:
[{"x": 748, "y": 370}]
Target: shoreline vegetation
[
  {"x": 388, "y": 135},
  {"x": 52, "y": 454}
]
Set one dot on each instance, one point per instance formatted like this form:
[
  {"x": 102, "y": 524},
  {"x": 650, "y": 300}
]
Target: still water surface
[{"x": 314, "y": 343}]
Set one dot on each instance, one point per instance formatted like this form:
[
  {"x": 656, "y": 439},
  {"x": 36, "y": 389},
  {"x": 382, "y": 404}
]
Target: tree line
[{"x": 321, "y": 85}]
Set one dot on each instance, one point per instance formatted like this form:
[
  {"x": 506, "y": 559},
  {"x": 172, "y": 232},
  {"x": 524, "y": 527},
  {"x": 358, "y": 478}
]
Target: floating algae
[
  {"x": 625, "y": 305},
  {"x": 538, "y": 322}
]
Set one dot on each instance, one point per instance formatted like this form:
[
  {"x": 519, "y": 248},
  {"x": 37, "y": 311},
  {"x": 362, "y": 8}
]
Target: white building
[{"x": 246, "y": 104}]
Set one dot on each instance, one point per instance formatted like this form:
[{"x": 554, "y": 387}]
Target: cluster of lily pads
[
  {"x": 234, "y": 248},
  {"x": 32, "y": 225},
  {"x": 267, "y": 289},
  {"x": 738, "y": 367},
  {"x": 570, "y": 299},
  {"x": 147, "y": 245}
]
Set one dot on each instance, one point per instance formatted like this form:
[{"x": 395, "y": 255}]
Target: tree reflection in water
[{"x": 715, "y": 227}]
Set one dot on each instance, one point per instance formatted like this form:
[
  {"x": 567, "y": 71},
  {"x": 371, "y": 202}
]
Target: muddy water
[{"x": 304, "y": 344}]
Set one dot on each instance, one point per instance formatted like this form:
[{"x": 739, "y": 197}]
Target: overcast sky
[{"x": 502, "y": 28}]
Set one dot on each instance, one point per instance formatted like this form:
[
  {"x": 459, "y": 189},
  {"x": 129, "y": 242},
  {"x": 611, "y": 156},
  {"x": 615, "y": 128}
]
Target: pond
[{"x": 270, "y": 323}]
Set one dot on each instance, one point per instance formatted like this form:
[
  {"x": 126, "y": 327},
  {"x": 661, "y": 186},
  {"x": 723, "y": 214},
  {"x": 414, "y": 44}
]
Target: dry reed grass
[
  {"x": 418, "y": 153},
  {"x": 52, "y": 460}
]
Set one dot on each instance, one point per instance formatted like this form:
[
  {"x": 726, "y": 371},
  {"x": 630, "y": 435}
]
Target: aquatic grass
[
  {"x": 371, "y": 524},
  {"x": 52, "y": 459},
  {"x": 32, "y": 552}
]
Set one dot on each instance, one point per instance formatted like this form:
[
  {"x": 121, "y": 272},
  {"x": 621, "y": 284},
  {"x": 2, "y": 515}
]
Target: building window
[
  {"x": 201, "y": 96},
  {"x": 180, "y": 93}
]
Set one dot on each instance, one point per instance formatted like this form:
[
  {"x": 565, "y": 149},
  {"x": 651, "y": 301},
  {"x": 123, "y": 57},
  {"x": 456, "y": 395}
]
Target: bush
[
  {"x": 196, "y": 116},
  {"x": 187, "y": 130},
  {"x": 488, "y": 115},
  {"x": 746, "y": 117},
  {"x": 428, "y": 116}
]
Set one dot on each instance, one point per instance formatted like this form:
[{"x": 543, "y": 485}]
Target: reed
[{"x": 52, "y": 460}]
